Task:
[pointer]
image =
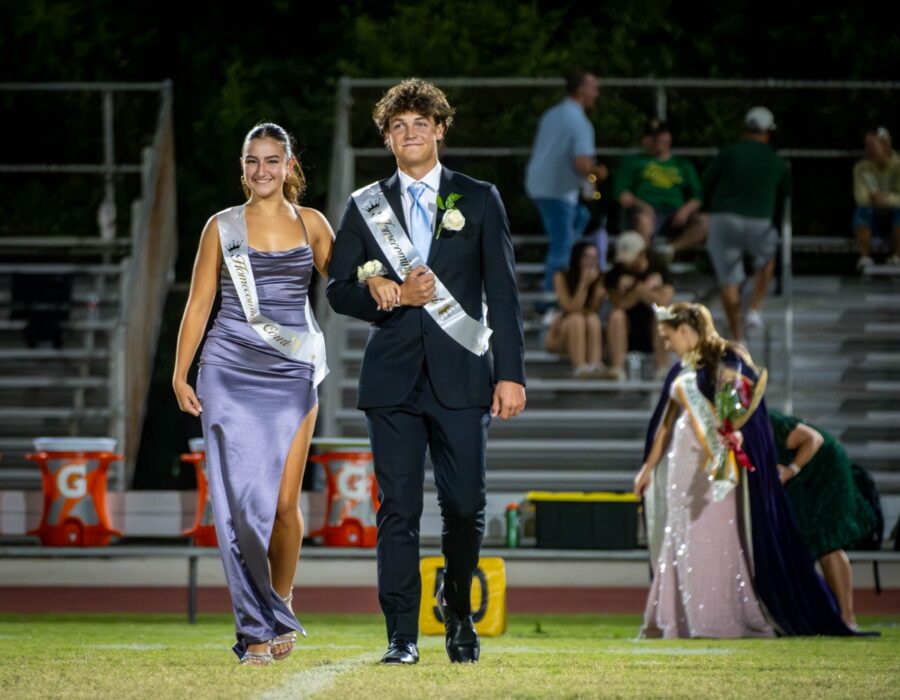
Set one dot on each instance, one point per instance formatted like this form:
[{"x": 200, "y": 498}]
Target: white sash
[
  {"x": 404, "y": 258},
  {"x": 300, "y": 345},
  {"x": 720, "y": 464}
]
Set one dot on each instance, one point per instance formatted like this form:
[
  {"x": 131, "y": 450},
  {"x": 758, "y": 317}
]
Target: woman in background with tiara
[
  {"x": 256, "y": 388},
  {"x": 728, "y": 558}
]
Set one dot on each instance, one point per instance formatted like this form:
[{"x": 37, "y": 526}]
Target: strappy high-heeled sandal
[
  {"x": 257, "y": 658},
  {"x": 287, "y": 640}
]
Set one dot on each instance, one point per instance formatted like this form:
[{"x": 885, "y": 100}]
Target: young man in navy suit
[{"x": 416, "y": 255}]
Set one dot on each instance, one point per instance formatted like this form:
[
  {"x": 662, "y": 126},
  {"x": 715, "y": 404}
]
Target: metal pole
[
  {"x": 787, "y": 288},
  {"x": 118, "y": 373},
  {"x": 337, "y": 195},
  {"x": 661, "y": 102},
  {"x": 332, "y": 323},
  {"x": 107, "y": 214},
  {"x": 708, "y": 83},
  {"x": 192, "y": 589}
]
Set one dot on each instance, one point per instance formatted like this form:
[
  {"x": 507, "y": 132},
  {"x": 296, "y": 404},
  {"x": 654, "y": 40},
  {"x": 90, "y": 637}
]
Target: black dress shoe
[
  {"x": 400, "y": 651},
  {"x": 460, "y": 637}
]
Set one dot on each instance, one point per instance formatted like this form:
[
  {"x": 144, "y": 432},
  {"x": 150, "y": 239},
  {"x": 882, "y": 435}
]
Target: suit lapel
[
  {"x": 391, "y": 189},
  {"x": 446, "y": 188}
]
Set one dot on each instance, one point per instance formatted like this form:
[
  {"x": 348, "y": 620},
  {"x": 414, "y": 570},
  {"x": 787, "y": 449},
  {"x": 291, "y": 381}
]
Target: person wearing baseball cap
[
  {"x": 629, "y": 247},
  {"x": 759, "y": 120},
  {"x": 638, "y": 280},
  {"x": 744, "y": 187}
]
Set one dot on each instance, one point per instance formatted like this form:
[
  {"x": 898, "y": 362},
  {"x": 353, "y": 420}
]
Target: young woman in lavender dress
[{"x": 258, "y": 401}]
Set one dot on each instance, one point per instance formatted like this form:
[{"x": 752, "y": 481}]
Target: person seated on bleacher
[
  {"x": 638, "y": 280},
  {"x": 832, "y": 514},
  {"x": 660, "y": 193},
  {"x": 575, "y": 329},
  {"x": 876, "y": 189}
]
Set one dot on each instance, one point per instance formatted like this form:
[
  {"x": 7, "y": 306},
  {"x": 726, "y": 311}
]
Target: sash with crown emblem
[
  {"x": 301, "y": 345},
  {"x": 403, "y": 257}
]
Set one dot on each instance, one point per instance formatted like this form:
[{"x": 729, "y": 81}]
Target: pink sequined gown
[{"x": 702, "y": 585}]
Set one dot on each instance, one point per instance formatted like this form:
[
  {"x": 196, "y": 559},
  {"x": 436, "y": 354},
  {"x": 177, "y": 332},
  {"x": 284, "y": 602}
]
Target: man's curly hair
[{"x": 413, "y": 95}]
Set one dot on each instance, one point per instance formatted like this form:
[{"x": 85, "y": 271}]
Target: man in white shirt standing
[{"x": 414, "y": 255}]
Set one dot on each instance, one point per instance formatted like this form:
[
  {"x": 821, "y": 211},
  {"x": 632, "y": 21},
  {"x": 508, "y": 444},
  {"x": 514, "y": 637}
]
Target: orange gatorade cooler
[
  {"x": 74, "y": 473},
  {"x": 351, "y": 499},
  {"x": 204, "y": 529}
]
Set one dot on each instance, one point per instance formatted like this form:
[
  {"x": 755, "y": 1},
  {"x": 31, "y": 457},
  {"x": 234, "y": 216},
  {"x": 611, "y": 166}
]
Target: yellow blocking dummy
[{"x": 488, "y": 596}]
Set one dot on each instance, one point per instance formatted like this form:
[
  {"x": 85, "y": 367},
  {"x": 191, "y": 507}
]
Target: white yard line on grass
[
  {"x": 130, "y": 646},
  {"x": 499, "y": 650},
  {"x": 672, "y": 651},
  {"x": 314, "y": 680}
]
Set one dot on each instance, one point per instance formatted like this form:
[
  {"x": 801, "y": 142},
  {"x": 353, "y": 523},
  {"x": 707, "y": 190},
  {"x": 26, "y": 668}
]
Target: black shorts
[{"x": 640, "y": 328}]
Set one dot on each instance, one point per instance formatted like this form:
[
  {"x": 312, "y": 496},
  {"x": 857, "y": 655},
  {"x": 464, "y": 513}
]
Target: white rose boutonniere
[
  {"x": 372, "y": 268},
  {"x": 453, "y": 219}
]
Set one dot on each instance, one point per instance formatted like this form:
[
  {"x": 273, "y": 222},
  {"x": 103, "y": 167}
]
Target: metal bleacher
[
  {"x": 86, "y": 370},
  {"x": 50, "y": 391}
]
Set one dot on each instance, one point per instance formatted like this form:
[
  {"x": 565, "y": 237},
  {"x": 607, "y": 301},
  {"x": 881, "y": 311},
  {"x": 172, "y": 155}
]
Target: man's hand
[
  {"x": 385, "y": 292},
  {"x": 509, "y": 399},
  {"x": 680, "y": 217},
  {"x": 627, "y": 200},
  {"x": 418, "y": 287},
  {"x": 880, "y": 200}
]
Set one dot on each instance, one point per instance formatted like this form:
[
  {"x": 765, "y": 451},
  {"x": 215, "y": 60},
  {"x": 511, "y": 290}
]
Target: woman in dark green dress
[{"x": 831, "y": 512}]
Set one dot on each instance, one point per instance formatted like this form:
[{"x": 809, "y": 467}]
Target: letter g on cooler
[{"x": 71, "y": 480}]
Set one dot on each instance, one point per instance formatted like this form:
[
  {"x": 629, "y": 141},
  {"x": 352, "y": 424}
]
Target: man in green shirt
[
  {"x": 661, "y": 192},
  {"x": 745, "y": 185}
]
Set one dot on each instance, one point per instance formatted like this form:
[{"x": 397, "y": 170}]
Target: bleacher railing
[{"x": 344, "y": 157}]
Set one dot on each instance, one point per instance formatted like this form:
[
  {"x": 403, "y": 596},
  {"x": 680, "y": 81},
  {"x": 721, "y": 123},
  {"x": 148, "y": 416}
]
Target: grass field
[{"x": 575, "y": 656}]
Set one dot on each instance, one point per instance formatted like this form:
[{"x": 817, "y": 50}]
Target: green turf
[{"x": 575, "y": 656}]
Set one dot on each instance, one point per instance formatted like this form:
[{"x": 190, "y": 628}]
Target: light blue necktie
[{"x": 419, "y": 223}]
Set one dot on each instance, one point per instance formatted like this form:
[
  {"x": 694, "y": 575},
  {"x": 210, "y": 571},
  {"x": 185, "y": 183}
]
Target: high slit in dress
[{"x": 254, "y": 400}]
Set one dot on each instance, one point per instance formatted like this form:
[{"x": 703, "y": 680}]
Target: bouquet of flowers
[{"x": 732, "y": 401}]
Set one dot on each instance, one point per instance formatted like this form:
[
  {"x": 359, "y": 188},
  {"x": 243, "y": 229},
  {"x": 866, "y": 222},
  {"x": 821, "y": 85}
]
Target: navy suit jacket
[{"x": 478, "y": 259}]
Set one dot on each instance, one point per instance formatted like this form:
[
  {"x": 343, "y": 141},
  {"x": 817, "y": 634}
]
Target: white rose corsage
[
  {"x": 372, "y": 268},
  {"x": 453, "y": 219}
]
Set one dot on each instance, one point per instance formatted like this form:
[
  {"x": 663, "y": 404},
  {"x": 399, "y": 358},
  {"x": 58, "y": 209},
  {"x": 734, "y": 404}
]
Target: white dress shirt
[{"x": 432, "y": 182}]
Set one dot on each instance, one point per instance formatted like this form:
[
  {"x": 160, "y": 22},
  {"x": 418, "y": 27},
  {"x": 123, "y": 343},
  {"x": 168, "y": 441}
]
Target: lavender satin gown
[
  {"x": 703, "y": 584},
  {"x": 254, "y": 399}
]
